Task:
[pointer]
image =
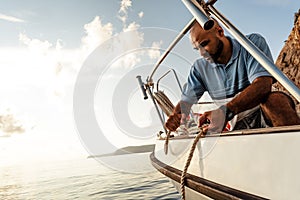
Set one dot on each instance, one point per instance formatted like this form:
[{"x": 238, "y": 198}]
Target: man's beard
[{"x": 216, "y": 55}]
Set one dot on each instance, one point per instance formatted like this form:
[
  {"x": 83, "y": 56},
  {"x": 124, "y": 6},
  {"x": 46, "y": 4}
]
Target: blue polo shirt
[{"x": 225, "y": 81}]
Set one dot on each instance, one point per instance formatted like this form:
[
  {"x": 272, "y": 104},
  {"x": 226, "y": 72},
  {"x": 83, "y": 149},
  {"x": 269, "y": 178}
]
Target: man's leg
[{"x": 279, "y": 109}]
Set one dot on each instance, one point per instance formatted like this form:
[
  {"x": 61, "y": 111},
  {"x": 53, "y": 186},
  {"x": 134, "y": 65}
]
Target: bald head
[
  {"x": 207, "y": 25},
  {"x": 197, "y": 33},
  {"x": 198, "y": 29},
  {"x": 211, "y": 43}
]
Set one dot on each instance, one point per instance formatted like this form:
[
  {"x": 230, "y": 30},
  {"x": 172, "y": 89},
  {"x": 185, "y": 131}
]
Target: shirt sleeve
[{"x": 255, "y": 69}]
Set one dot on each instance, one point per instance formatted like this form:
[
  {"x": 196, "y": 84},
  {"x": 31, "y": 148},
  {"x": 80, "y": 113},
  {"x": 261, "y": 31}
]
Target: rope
[
  {"x": 167, "y": 142},
  {"x": 188, "y": 162},
  {"x": 164, "y": 102},
  {"x": 167, "y": 106}
]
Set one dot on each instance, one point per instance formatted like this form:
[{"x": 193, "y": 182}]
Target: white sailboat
[
  {"x": 246, "y": 164},
  {"x": 250, "y": 164}
]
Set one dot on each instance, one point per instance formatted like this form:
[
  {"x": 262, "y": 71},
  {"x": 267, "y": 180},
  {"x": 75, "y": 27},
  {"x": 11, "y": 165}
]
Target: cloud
[
  {"x": 131, "y": 27},
  {"x": 44, "y": 53},
  {"x": 125, "y": 4},
  {"x": 123, "y": 19},
  {"x": 96, "y": 33},
  {"x": 52, "y": 66},
  {"x": 133, "y": 40},
  {"x": 127, "y": 61},
  {"x": 154, "y": 52},
  {"x": 9, "y": 124},
  {"x": 59, "y": 44},
  {"x": 35, "y": 45},
  {"x": 11, "y": 18},
  {"x": 141, "y": 14}
]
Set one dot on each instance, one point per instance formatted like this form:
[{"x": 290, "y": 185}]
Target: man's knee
[
  {"x": 276, "y": 99},
  {"x": 279, "y": 109}
]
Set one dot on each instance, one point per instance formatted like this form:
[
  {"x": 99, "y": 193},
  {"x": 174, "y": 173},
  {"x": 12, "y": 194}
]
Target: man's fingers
[
  {"x": 183, "y": 119},
  {"x": 173, "y": 122},
  {"x": 171, "y": 126},
  {"x": 202, "y": 119},
  {"x": 176, "y": 119},
  {"x": 205, "y": 129}
]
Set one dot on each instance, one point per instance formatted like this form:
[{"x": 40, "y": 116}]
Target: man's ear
[{"x": 220, "y": 30}]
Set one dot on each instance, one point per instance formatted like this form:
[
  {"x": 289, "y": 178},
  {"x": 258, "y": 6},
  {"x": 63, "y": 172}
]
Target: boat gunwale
[{"x": 243, "y": 132}]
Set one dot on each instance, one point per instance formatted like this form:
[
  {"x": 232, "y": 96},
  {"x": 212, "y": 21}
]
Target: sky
[{"x": 48, "y": 47}]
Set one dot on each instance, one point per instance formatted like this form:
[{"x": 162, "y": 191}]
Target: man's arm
[{"x": 252, "y": 96}]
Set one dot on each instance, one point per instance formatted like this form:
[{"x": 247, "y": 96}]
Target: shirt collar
[
  {"x": 236, "y": 47},
  {"x": 235, "y": 50}
]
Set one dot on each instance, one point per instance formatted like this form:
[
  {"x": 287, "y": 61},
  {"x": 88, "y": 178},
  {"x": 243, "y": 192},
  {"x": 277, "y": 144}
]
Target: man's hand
[
  {"x": 174, "y": 121},
  {"x": 178, "y": 116},
  {"x": 216, "y": 120}
]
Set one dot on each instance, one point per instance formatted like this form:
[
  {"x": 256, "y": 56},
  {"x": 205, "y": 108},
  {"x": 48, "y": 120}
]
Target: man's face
[{"x": 207, "y": 42}]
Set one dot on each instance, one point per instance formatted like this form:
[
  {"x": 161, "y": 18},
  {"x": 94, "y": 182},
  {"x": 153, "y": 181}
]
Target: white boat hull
[{"x": 263, "y": 163}]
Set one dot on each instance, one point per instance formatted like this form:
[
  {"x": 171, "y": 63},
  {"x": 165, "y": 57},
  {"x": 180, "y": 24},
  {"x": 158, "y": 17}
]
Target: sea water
[{"x": 82, "y": 178}]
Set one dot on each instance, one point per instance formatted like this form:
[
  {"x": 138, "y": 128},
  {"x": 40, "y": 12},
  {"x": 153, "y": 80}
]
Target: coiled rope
[
  {"x": 167, "y": 106},
  {"x": 164, "y": 102}
]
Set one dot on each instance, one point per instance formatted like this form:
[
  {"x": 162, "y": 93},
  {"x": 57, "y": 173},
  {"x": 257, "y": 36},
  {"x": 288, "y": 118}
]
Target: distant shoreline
[{"x": 127, "y": 150}]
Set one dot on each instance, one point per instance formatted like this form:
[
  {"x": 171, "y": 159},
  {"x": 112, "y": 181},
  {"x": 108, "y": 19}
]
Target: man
[{"x": 229, "y": 73}]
